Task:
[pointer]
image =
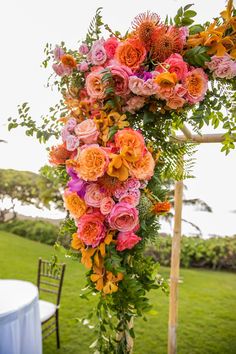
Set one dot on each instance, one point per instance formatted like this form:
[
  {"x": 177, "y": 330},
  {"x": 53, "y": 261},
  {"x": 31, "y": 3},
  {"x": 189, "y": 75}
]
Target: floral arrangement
[{"x": 123, "y": 99}]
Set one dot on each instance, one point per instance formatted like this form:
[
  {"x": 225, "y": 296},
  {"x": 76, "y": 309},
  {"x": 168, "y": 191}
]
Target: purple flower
[
  {"x": 97, "y": 54},
  {"x": 76, "y": 184},
  {"x": 58, "y": 53},
  {"x": 83, "y": 49}
]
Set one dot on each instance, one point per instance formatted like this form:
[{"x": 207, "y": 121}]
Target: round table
[{"x": 20, "y": 327}]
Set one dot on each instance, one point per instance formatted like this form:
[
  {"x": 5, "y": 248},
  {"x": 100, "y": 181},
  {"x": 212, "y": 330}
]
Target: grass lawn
[{"x": 207, "y": 315}]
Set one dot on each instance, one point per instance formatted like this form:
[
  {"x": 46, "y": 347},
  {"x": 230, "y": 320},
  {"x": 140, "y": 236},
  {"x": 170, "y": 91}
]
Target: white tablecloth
[{"x": 20, "y": 327}]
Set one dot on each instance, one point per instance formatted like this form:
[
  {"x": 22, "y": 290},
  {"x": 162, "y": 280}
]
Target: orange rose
[
  {"x": 68, "y": 60},
  {"x": 144, "y": 168},
  {"x": 131, "y": 53},
  {"x": 131, "y": 144},
  {"x": 74, "y": 204},
  {"x": 92, "y": 163},
  {"x": 166, "y": 79}
]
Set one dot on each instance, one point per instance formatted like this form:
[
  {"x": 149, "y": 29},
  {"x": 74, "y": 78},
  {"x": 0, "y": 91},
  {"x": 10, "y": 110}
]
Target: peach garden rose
[
  {"x": 91, "y": 162},
  {"x": 123, "y": 217},
  {"x": 87, "y": 131}
]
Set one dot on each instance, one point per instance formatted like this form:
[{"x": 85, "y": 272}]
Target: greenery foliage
[
  {"x": 214, "y": 253},
  {"x": 208, "y": 326},
  {"x": 36, "y": 230}
]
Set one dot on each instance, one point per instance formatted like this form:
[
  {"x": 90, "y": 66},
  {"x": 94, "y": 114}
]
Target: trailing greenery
[
  {"x": 214, "y": 253},
  {"x": 36, "y": 230}
]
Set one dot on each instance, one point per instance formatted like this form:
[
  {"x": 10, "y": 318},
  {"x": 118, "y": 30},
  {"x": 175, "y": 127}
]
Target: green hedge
[
  {"x": 36, "y": 230},
  {"x": 214, "y": 253}
]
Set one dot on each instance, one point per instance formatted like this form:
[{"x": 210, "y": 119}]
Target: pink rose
[
  {"x": 127, "y": 240},
  {"x": 176, "y": 64},
  {"x": 225, "y": 70},
  {"x": 87, "y": 131},
  {"x": 62, "y": 70},
  {"x": 180, "y": 90},
  {"x": 94, "y": 195},
  {"x": 91, "y": 229},
  {"x": 97, "y": 54},
  {"x": 83, "y": 67},
  {"x": 72, "y": 142},
  {"x": 120, "y": 76},
  {"x": 95, "y": 86},
  {"x": 58, "y": 53},
  {"x": 149, "y": 87},
  {"x": 123, "y": 217},
  {"x": 164, "y": 92},
  {"x": 83, "y": 49},
  {"x": 175, "y": 102},
  {"x": 134, "y": 104},
  {"x": 135, "y": 85},
  {"x": 110, "y": 46},
  {"x": 132, "y": 198},
  {"x": 106, "y": 205}
]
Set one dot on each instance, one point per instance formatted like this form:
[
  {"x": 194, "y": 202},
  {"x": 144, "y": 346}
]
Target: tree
[{"x": 29, "y": 188}]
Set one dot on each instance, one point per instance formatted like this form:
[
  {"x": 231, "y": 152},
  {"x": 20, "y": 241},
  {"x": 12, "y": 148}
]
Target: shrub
[
  {"x": 214, "y": 253},
  {"x": 36, "y": 230}
]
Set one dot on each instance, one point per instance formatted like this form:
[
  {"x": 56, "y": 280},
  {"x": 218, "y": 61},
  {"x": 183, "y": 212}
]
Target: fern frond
[
  {"x": 94, "y": 27},
  {"x": 177, "y": 161}
]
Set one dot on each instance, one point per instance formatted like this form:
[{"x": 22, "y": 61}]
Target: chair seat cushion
[{"x": 46, "y": 310}]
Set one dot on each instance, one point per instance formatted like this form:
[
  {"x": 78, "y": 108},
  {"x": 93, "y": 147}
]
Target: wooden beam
[
  {"x": 174, "y": 274},
  {"x": 198, "y": 138}
]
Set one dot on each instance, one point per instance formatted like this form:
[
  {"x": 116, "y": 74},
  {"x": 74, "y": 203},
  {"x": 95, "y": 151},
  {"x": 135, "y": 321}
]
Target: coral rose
[
  {"x": 74, "y": 204},
  {"x": 177, "y": 65},
  {"x": 92, "y": 162},
  {"x": 94, "y": 195},
  {"x": 95, "y": 87},
  {"x": 131, "y": 53},
  {"x": 131, "y": 144},
  {"x": 59, "y": 154},
  {"x": 87, "y": 131},
  {"x": 196, "y": 85},
  {"x": 123, "y": 217},
  {"x": 91, "y": 229},
  {"x": 106, "y": 205},
  {"x": 144, "y": 168},
  {"x": 110, "y": 46},
  {"x": 127, "y": 240}
]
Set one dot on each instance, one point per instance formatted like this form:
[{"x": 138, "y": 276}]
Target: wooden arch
[{"x": 187, "y": 136}]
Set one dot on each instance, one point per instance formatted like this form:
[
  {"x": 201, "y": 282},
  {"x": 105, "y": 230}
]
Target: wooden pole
[{"x": 174, "y": 274}]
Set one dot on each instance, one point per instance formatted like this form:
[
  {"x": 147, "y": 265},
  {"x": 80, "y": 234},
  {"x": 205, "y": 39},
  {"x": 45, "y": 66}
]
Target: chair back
[{"x": 50, "y": 278}]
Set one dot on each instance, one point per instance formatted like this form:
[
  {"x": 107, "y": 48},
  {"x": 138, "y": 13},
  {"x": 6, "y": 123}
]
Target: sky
[{"x": 26, "y": 26}]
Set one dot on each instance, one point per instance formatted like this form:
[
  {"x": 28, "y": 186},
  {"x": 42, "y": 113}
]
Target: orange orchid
[
  {"x": 116, "y": 119},
  {"x": 76, "y": 242},
  {"x": 118, "y": 167}
]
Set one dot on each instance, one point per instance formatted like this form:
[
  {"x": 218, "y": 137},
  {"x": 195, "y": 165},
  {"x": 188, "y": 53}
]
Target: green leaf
[
  {"x": 148, "y": 117},
  {"x": 190, "y": 13},
  {"x": 188, "y": 7}
]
